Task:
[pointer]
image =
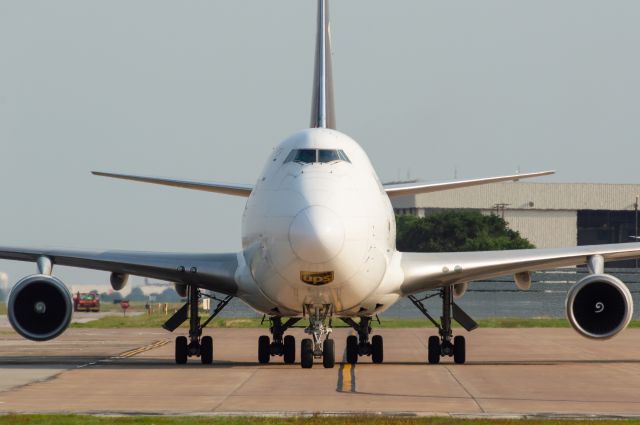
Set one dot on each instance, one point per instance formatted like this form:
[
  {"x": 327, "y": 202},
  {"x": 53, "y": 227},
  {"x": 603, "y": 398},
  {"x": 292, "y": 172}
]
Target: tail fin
[{"x": 322, "y": 109}]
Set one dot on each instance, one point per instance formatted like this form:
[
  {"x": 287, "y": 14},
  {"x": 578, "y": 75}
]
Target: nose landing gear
[{"x": 319, "y": 346}]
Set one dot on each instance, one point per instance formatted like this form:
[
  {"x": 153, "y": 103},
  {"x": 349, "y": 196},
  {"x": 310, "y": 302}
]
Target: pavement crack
[
  {"x": 235, "y": 389},
  {"x": 455, "y": 378}
]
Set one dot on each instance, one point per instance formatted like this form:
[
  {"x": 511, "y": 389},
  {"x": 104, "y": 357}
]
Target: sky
[{"x": 204, "y": 90}]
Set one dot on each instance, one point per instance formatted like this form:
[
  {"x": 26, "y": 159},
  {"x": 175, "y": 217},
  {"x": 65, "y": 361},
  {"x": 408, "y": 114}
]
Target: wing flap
[
  {"x": 210, "y": 271},
  {"x": 414, "y": 188},
  {"x": 424, "y": 271},
  {"x": 225, "y": 188}
]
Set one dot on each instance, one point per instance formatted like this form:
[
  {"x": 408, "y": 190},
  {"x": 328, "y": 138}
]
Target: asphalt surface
[{"x": 509, "y": 372}]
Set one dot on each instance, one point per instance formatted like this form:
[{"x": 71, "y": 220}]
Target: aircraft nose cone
[{"x": 316, "y": 234}]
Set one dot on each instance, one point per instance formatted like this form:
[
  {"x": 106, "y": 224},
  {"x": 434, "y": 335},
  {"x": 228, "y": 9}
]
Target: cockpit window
[
  {"x": 328, "y": 155},
  {"x": 306, "y": 156},
  {"x": 310, "y": 156}
]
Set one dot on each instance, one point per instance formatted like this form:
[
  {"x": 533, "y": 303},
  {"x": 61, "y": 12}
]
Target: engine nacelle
[
  {"x": 39, "y": 307},
  {"x": 118, "y": 280},
  {"x": 599, "y": 306},
  {"x": 459, "y": 290}
]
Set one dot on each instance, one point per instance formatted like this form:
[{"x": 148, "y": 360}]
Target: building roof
[{"x": 529, "y": 196}]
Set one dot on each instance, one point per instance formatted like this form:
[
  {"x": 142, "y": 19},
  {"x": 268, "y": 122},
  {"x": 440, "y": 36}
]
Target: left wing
[
  {"x": 414, "y": 188},
  {"x": 209, "y": 271},
  {"x": 425, "y": 271},
  {"x": 226, "y": 188}
]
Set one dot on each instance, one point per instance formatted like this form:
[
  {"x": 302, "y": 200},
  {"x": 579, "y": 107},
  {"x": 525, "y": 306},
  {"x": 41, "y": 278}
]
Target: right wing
[
  {"x": 226, "y": 188},
  {"x": 414, "y": 188},
  {"x": 215, "y": 272},
  {"x": 426, "y": 271}
]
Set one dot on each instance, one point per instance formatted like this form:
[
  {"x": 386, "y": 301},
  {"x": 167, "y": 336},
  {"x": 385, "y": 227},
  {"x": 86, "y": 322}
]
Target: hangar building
[{"x": 548, "y": 214}]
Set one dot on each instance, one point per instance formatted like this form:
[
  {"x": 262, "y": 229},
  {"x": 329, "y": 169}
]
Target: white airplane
[{"x": 318, "y": 238}]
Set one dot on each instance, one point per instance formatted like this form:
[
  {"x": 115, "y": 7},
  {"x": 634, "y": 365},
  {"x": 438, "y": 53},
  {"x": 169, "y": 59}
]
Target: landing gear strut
[
  {"x": 197, "y": 345},
  {"x": 319, "y": 345},
  {"x": 446, "y": 344},
  {"x": 360, "y": 345},
  {"x": 284, "y": 346}
]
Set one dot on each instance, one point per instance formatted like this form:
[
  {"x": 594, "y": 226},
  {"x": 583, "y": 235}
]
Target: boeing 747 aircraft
[{"x": 318, "y": 242}]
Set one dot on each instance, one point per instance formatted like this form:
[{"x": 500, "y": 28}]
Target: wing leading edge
[
  {"x": 415, "y": 188},
  {"x": 225, "y": 188},
  {"x": 209, "y": 271},
  {"x": 425, "y": 271}
]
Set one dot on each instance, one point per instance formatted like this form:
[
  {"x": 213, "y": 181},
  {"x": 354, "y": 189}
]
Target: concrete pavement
[{"x": 509, "y": 371}]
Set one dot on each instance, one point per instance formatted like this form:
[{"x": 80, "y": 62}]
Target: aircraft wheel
[
  {"x": 206, "y": 350},
  {"x": 264, "y": 349},
  {"x": 306, "y": 353},
  {"x": 181, "y": 350},
  {"x": 459, "y": 350},
  {"x": 434, "y": 350},
  {"x": 377, "y": 349},
  {"x": 289, "y": 349},
  {"x": 352, "y": 349},
  {"x": 328, "y": 353}
]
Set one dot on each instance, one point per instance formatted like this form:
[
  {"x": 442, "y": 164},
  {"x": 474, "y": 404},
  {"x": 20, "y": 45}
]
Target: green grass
[
  {"x": 156, "y": 321},
  {"x": 313, "y": 420},
  {"x": 3, "y": 307}
]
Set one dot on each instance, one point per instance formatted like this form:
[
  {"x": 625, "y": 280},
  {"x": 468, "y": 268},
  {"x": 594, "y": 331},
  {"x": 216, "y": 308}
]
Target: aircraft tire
[
  {"x": 377, "y": 349},
  {"x": 306, "y": 354},
  {"x": 459, "y": 350},
  {"x": 206, "y": 350},
  {"x": 352, "y": 349},
  {"x": 434, "y": 350},
  {"x": 328, "y": 353},
  {"x": 264, "y": 349},
  {"x": 181, "y": 352},
  {"x": 289, "y": 349}
]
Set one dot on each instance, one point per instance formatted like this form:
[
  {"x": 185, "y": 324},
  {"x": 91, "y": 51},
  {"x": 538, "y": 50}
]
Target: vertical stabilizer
[{"x": 322, "y": 110}]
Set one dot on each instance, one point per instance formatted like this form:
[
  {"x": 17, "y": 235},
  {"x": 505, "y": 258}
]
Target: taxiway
[{"x": 509, "y": 371}]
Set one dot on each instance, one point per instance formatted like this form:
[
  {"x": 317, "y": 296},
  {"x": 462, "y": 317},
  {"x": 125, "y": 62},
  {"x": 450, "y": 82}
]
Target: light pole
[{"x": 636, "y": 231}]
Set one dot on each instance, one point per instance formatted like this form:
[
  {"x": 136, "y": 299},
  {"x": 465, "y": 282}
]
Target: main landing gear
[
  {"x": 284, "y": 346},
  {"x": 197, "y": 345},
  {"x": 445, "y": 344},
  {"x": 360, "y": 345}
]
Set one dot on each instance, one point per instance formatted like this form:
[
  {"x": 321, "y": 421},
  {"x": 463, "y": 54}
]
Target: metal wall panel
[{"x": 530, "y": 196}]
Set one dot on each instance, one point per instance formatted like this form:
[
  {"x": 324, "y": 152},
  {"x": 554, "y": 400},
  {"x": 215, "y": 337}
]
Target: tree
[{"x": 456, "y": 230}]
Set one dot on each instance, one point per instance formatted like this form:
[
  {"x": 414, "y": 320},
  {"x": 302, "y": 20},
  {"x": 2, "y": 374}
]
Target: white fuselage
[{"x": 318, "y": 233}]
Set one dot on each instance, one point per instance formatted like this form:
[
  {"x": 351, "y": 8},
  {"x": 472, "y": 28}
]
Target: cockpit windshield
[{"x": 313, "y": 156}]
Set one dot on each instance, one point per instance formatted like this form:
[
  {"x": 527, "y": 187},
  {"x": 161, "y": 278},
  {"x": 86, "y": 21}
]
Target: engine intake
[
  {"x": 599, "y": 306},
  {"x": 39, "y": 307}
]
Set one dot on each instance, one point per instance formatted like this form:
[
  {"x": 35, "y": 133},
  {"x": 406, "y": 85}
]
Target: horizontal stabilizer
[
  {"x": 414, "y": 188},
  {"x": 226, "y": 188}
]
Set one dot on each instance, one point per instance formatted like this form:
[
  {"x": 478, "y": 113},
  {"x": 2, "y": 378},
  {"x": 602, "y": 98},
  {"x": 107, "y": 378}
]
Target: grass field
[
  {"x": 156, "y": 320},
  {"x": 314, "y": 420}
]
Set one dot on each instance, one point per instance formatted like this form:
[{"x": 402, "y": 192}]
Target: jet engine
[
  {"x": 599, "y": 306},
  {"x": 39, "y": 307}
]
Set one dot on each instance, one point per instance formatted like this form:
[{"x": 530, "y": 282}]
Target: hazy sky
[{"x": 204, "y": 89}]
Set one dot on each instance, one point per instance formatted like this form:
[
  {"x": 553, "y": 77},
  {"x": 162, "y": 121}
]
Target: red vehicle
[{"x": 86, "y": 301}]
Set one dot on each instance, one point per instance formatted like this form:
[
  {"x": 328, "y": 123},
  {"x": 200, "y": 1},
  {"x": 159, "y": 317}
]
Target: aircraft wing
[
  {"x": 413, "y": 188},
  {"x": 226, "y": 188},
  {"x": 425, "y": 271},
  {"x": 209, "y": 271}
]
